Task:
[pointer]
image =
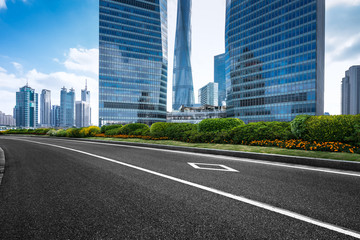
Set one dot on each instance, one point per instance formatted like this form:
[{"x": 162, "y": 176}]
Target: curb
[
  {"x": 2, "y": 164},
  {"x": 314, "y": 162}
]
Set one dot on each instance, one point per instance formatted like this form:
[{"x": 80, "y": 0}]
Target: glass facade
[
  {"x": 209, "y": 95},
  {"x": 183, "y": 88},
  {"x": 45, "y": 108},
  {"x": 220, "y": 77},
  {"x": 274, "y": 59},
  {"x": 26, "y": 109},
  {"x": 67, "y": 108},
  {"x": 133, "y": 61}
]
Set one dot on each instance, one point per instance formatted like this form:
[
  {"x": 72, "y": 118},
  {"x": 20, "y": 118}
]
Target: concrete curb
[
  {"x": 2, "y": 164},
  {"x": 314, "y": 162}
]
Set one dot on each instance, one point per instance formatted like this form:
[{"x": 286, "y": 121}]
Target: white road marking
[
  {"x": 286, "y": 165},
  {"x": 220, "y": 167},
  {"x": 268, "y": 207}
]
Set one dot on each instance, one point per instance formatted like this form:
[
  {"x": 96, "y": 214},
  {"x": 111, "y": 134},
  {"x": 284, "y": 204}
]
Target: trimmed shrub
[
  {"x": 341, "y": 128},
  {"x": 61, "y": 133},
  {"x": 299, "y": 126},
  {"x": 113, "y": 132},
  {"x": 130, "y": 129},
  {"x": 157, "y": 130},
  {"x": 51, "y": 132},
  {"x": 261, "y": 131},
  {"x": 178, "y": 131},
  {"x": 41, "y": 131},
  {"x": 219, "y": 124},
  {"x": 109, "y": 127},
  {"x": 74, "y": 132},
  {"x": 89, "y": 131}
]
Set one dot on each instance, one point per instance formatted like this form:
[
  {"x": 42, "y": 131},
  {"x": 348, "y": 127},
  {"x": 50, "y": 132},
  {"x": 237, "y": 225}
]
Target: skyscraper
[
  {"x": 133, "y": 61},
  {"x": 83, "y": 110},
  {"x": 67, "y": 108},
  {"x": 45, "y": 108},
  {"x": 274, "y": 59},
  {"x": 350, "y": 91},
  {"x": 208, "y": 95},
  {"x": 26, "y": 107},
  {"x": 183, "y": 89},
  {"x": 85, "y": 94},
  {"x": 220, "y": 77},
  {"x": 55, "y": 116}
]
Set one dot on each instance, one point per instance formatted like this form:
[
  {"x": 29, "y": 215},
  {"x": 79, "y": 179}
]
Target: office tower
[
  {"x": 133, "y": 61},
  {"x": 274, "y": 59},
  {"x": 208, "y": 95},
  {"x": 45, "y": 108},
  {"x": 350, "y": 91},
  {"x": 183, "y": 89},
  {"x": 55, "y": 116},
  {"x": 82, "y": 109},
  {"x": 7, "y": 120},
  {"x": 220, "y": 77},
  {"x": 67, "y": 108},
  {"x": 26, "y": 107}
]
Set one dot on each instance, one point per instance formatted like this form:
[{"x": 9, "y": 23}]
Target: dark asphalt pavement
[{"x": 54, "y": 193}]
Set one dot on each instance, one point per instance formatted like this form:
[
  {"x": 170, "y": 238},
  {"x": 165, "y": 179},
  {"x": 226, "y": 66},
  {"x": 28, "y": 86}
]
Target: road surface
[{"x": 65, "y": 189}]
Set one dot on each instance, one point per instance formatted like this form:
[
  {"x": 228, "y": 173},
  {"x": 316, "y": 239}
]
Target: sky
[{"x": 54, "y": 43}]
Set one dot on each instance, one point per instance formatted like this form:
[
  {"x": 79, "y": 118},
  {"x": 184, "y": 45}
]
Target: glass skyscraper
[
  {"x": 133, "y": 61},
  {"x": 183, "y": 89},
  {"x": 45, "y": 108},
  {"x": 220, "y": 77},
  {"x": 26, "y": 109},
  {"x": 274, "y": 59},
  {"x": 67, "y": 108}
]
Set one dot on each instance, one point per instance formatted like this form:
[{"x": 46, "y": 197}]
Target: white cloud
[
  {"x": 18, "y": 67},
  {"x": 2, "y": 4},
  {"x": 334, "y": 3},
  {"x": 2, "y": 69},
  {"x": 83, "y": 60}
]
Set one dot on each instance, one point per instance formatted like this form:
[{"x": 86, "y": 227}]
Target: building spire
[{"x": 85, "y": 84}]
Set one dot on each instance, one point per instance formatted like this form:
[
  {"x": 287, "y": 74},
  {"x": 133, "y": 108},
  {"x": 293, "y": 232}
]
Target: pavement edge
[{"x": 2, "y": 164}]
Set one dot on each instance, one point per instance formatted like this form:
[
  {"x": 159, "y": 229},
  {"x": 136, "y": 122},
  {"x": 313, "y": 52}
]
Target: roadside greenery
[{"x": 310, "y": 133}]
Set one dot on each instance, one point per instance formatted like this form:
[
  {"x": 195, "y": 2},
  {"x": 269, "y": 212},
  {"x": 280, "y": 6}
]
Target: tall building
[
  {"x": 274, "y": 59},
  {"x": 26, "y": 107},
  {"x": 67, "y": 108},
  {"x": 183, "y": 89},
  {"x": 83, "y": 110},
  {"x": 220, "y": 77},
  {"x": 133, "y": 61},
  {"x": 208, "y": 95},
  {"x": 45, "y": 108},
  {"x": 350, "y": 91},
  {"x": 7, "y": 120},
  {"x": 55, "y": 116}
]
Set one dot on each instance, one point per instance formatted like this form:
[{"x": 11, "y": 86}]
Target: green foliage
[
  {"x": 157, "y": 130},
  {"x": 89, "y": 131},
  {"x": 74, "y": 132},
  {"x": 109, "y": 127},
  {"x": 130, "y": 129},
  {"x": 341, "y": 128},
  {"x": 261, "y": 131},
  {"x": 61, "y": 133},
  {"x": 52, "y": 133},
  {"x": 175, "y": 131},
  {"x": 219, "y": 124},
  {"x": 17, "y": 131},
  {"x": 299, "y": 126},
  {"x": 41, "y": 131},
  {"x": 113, "y": 132}
]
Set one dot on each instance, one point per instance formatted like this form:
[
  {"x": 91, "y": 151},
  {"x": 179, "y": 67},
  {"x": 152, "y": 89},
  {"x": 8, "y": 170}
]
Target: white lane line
[
  {"x": 2, "y": 164},
  {"x": 315, "y": 169},
  {"x": 268, "y": 207},
  {"x": 220, "y": 167}
]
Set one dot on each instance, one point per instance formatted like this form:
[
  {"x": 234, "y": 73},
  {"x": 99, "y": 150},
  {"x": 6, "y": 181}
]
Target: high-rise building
[
  {"x": 350, "y": 91},
  {"x": 67, "y": 108},
  {"x": 83, "y": 110},
  {"x": 7, "y": 120},
  {"x": 45, "y": 108},
  {"x": 133, "y": 61},
  {"x": 55, "y": 116},
  {"x": 274, "y": 59},
  {"x": 183, "y": 88},
  {"x": 208, "y": 95},
  {"x": 220, "y": 77},
  {"x": 26, "y": 107}
]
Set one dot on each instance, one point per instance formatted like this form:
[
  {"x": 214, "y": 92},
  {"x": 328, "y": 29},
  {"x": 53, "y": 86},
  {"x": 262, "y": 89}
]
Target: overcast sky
[{"x": 55, "y": 43}]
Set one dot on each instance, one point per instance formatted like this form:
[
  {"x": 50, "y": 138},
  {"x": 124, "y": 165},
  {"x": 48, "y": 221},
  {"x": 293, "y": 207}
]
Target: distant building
[
  {"x": 55, "y": 116},
  {"x": 220, "y": 77},
  {"x": 327, "y": 114},
  {"x": 85, "y": 94},
  {"x": 67, "y": 108},
  {"x": 26, "y": 108},
  {"x": 7, "y": 120},
  {"x": 45, "y": 108},
  {"x": 196, "y": 114},
  {"x": 208, "y": 95},
  {"x": 350, "y": 91},
  {"x": 83, "y": 110}
]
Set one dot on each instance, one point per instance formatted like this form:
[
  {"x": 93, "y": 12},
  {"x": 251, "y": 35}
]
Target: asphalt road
[{"x": 64, "y": 189}]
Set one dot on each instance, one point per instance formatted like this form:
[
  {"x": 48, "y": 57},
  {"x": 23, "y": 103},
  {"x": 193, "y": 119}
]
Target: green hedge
[
  {"x": 261, "y": 131},
  {"x": 113, "y": 132},
  {"x": 219, "y": 124},
  {"x": 299, "y": 126},
  {"x": 157, "y": 130},
  {"x": 135, "y": 129},
  {"x": 109, "y": 127},
  {"x": 175, "y": 131}
]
